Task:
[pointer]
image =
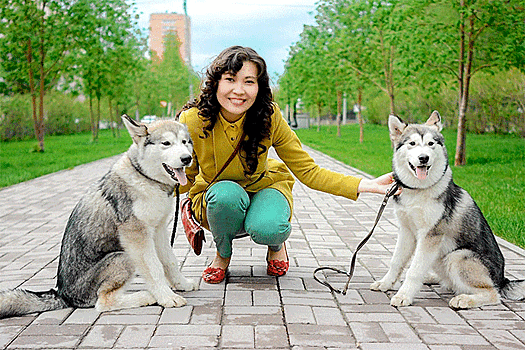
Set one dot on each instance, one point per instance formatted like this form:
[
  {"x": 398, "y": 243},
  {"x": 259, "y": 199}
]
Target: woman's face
[{"x": 237, "y": 93}]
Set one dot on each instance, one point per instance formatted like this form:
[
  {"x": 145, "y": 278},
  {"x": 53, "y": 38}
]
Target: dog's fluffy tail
[
  {"x": 513, "y": 290},
  {"x": 19, "y": 302}
]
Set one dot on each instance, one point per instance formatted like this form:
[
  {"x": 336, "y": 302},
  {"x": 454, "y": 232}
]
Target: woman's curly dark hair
[{"x": 258, "y": 118}]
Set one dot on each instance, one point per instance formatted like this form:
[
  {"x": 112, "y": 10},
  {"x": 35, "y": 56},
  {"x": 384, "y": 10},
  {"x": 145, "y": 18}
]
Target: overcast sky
[{"x": 268, "y": 26}]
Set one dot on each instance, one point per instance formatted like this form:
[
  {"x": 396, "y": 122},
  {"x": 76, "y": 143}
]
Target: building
[{"x": 162, "y": 24}]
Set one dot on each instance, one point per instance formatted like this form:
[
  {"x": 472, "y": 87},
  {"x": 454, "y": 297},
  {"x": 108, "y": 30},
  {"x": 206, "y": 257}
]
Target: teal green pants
[{"x": 232, "y": 212}]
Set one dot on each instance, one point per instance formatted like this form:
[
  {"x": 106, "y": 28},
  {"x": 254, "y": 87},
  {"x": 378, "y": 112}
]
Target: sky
[{"x": 270, "y": 27}]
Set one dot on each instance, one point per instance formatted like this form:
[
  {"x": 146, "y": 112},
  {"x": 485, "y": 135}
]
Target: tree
[
  {"x": 106, "y": 54},
  {"x": 461, "y": 38},
  {"x": 35, "y": 38}
]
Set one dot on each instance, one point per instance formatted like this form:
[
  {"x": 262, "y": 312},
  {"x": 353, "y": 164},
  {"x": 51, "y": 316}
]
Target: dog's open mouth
[
  {"x": 176, "y": 174},
  {"x": 420, "y": 171}
]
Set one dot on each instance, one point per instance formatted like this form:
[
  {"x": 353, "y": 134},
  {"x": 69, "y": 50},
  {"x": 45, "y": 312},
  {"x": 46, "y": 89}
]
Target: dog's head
[
  {"x": 420, "y": 157},
  {"x": 162, "y": 149}
]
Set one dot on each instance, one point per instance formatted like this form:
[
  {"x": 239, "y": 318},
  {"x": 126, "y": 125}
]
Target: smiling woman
[
  {"x": 253, "y": 195},
  {"x": 237, "y": 92}
]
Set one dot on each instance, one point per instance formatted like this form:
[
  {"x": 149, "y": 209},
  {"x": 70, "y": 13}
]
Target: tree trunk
[
  {"x": 92, "y": 116},
  {"x": 117, "y": 121},
  {"x": 97, "y": 121},
  {"x": 339, "y": 114},
  {"x": 359, "y": 115},
  {"x": 318, "y": 116},
  {"x": 42, "y": 92},
  {"x": 461, "y": 140},
  {"x": 32, "y": 87},
  {"x": 39, "y": 127},
  {"x": 111, "y": 117}
]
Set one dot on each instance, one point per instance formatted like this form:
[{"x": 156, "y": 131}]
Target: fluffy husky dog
[
  {"x": 118, "y": 228},
  {"x": 441, "y": 227}
]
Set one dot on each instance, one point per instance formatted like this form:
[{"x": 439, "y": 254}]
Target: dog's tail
[
  {"x": 513, "y": 290},
  {"x": 19, "y": 302}
]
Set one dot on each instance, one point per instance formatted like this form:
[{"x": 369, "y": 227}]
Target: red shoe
[
  {"x": 213, "y": 275},
  {"x": 278, "y": 267}
]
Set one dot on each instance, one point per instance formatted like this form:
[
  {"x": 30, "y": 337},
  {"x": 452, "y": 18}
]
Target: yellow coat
[{"x": 210, "y": 153}]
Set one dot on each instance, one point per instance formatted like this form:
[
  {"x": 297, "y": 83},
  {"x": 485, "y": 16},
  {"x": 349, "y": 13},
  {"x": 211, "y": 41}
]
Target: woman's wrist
[{"x": 364, "y": 186}]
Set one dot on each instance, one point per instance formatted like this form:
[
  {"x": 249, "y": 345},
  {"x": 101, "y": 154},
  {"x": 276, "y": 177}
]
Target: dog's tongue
[
  {"x": 421, "y": 172},
  {"x": 181, "y": 176}
]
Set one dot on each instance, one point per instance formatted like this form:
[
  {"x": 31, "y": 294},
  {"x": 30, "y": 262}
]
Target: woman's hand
[{"x": 378, "y": 185}]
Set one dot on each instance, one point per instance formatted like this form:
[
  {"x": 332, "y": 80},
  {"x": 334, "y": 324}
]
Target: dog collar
[{"x": 165, "y": 187}]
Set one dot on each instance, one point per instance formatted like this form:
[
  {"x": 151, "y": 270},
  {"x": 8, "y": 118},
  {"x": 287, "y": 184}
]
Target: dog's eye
[
  {"x": 413, "y": 143},
  {"x": 431, "y": 143},
  {"x": 166, "y": 143},
  {"x": 184, "y": 142}
]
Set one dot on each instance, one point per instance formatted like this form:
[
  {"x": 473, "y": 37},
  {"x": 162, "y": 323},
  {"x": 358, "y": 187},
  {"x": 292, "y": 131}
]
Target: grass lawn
[
  {"x": 494, "y": 174},
  {"x": 18, "y": 161}
]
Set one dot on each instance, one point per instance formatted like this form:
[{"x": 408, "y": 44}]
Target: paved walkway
[{"x": 250, "y": 310}]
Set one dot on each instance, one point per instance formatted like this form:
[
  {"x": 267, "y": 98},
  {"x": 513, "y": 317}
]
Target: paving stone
[
  {"x": 104, "y": 336},
  {"x": 135, "y": 336},
  {"x": 271, "y": 337},
  {"x": 399, "y": 333},
  {"x": 237, "y": 336}
]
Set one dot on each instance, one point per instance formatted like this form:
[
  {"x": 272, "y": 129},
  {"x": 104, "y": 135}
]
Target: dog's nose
[
  {"x": 185, "y": 160},
  {"x": 423, "y": 159}
]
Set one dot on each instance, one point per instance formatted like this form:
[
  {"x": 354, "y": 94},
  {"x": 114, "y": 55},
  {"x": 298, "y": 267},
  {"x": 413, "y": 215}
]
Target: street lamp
[{"x": 187, "y": 49}]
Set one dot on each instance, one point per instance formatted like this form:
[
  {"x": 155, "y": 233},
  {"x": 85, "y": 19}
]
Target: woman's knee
[
  {"x": 269, "y": 232},
  {"x": 267, "y": 220},
  {"x": 227, "y": 195}
]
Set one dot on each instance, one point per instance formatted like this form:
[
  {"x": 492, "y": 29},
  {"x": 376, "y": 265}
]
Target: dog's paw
[
  {"x": 400, "y": 299},
  {"x": 171, "y": 300},
  {"x": 187, "y": 285},
  {"x": 381, "y": 286},
  {"x": 462, "y": 301}
]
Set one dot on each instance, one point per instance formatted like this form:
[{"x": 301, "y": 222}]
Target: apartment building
[{"x": 162, "y": 24}]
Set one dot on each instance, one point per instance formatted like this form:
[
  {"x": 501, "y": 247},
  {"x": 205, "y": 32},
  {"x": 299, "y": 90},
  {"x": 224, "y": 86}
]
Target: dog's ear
[
  {"x": 135, "y": 129},
  {"x": 396, "y": 127},
  {"x": 435, "y": 120}
]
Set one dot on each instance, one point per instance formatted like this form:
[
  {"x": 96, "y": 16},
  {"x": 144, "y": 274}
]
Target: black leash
[
  {"x": 389, "y": 194},
  {"x": 176, "y": 218}
]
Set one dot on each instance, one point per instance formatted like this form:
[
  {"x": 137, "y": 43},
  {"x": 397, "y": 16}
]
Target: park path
[{"x": 250, "y": 310}]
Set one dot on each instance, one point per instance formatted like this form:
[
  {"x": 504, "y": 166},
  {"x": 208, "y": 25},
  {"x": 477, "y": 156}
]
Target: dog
[
  {"x": 440, "y": 226},
  {"x": 118, "y": 228}
]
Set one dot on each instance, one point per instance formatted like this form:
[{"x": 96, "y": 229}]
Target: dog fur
[
  {"x": 118, "y": 228},
  {"x": 441, "y": 227}
]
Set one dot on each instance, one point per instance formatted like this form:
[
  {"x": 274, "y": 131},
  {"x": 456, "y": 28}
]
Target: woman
[{"x": 253, "y": 195}]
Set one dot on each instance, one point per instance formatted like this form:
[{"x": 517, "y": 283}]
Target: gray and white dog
[
  {"x": 441, "y": 227},
  {"x": 120, "y": 227}
]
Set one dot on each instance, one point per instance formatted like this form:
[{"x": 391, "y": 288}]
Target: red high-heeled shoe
[{"x": 278, "y": 267}]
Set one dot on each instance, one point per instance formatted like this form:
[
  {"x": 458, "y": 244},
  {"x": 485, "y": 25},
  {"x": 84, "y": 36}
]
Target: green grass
[
  {"x": 494, "y": 174},
  {"x": 19, "y": 162}
]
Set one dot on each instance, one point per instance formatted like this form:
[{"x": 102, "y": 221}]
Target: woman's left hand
[{"x": 378, "y": 185}]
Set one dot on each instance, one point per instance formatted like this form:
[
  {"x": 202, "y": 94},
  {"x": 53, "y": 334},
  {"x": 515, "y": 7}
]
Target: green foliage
[
  {"x": 65, "y": 115},
  {"x": 411, "y": 56},
  {"x": 16, "y": 122},
  {"x": 494, "y": 174},
  {"x": 171, "y": 78},
  {"x": 80, "y": 48}
]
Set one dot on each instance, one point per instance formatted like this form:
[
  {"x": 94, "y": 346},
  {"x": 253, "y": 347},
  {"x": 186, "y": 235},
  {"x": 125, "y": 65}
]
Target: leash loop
[{"x": 391, "y": 191}]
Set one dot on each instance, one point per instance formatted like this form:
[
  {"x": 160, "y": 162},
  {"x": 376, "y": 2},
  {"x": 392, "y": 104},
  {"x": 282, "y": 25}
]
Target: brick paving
[{"x": 250, "y": 310}]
